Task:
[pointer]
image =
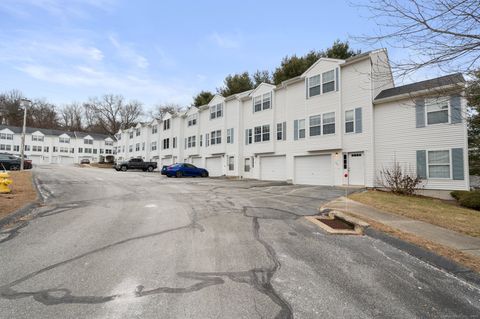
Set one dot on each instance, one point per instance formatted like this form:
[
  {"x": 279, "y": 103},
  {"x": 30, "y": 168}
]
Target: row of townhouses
[
  {"x": 340, "y": 123},
  {"x": 45, "y": 146}
]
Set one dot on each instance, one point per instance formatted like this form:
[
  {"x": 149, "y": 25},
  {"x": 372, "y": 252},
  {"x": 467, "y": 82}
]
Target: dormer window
[
  {"x": 131, "y": 134},
  {"x": 154, "y": 129},
  {"x": 137, "y": 132},
  {"x": 262, "y": 102},
  {"x": 216, "y": 111},
  {"x": 65, "y": 140},
  {"x": 109, "y": 143},
  {"x": 192, "y": 119},
  {"x": 321, "y": 83},
  {"x": 87, "y": 141},
  {"x": 6, "y": 136}
]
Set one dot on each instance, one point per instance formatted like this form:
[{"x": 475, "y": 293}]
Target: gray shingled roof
[
  {"x": 423, "y": 85},
  {"x": 30, "y": 130}
]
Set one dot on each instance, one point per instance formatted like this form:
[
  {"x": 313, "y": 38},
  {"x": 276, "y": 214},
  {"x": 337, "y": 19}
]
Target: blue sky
[{"x": 158, "y": 51}]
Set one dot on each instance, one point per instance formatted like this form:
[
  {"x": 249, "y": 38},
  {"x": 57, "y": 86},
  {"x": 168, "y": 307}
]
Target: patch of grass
[
  {"x": 23, "y": 192},
  {"x": 430, "y": 210},
  {"x": 467, "y": 260}
]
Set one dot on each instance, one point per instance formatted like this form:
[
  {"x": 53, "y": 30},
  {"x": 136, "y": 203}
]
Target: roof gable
[
  {"x": 216, "y": 99},
  {"x": 322, "y": 61},
  {"x": 64, "y": 136},
  {"x": 262, "y": 88},
  {"x": 6, "y": 131},
  {"x": 38, "y": 133}
]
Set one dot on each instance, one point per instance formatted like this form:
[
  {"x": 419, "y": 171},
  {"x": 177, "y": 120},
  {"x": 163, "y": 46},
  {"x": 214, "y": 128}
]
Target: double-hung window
[
  {"x": 328, "y": 123},
  {"x": 439, "y": 164},
  {"x": 315, "y": 125},
  {"x": 130, "y": 149},
  {"x": 216, "y": 137},
  {"x": 38, "y": 138},
  {"x": 249, "y": 138},
  {"x": 131, "y": 134},
  {"x": 174, "y": 142},
  {"x": 154, "y": 129},
  {"x": 349, "y": 121},
  {"x": 231, "y": 163},
  {"x": 267, "y": 101},
  {"x": 230, "y": 136},
  {"x": 265, "y": 133},
  {"x": 301, "y": 128},
  {"x": 137, "y": 132},
  {"x": 87, "y": 141},
  {"x": 166, "y": 124},
  {"x": 328, "y": 81},
  {"x": 192, "y": 120},
  {"x": 257, "y": 134},
  {"x": 314, "y": 85},
  {"x": 437, "y": 111},
  {"x": 166, "y": 143},
  {"x": 247, "y": 164},
  {"x": 153, "y": 146},
  {"x": 207, "y": 139},
  {"x": 216, "y": 111},
  {"x": 257, "y": 103},
  {"x": 137, "y": 147},
  {"x": 279, "y": 131}
]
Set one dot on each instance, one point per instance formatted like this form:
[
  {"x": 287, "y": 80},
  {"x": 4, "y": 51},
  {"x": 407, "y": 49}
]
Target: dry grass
[
  {"x": 23, "y": 192},
  {"x": 467, "y": 260},
  {"x": 430, "y": 210}
]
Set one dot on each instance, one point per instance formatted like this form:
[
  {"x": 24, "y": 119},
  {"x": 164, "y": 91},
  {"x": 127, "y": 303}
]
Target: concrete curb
[
  {"x": 427, "y": 256},
  {"x": 25, "y": 210}
]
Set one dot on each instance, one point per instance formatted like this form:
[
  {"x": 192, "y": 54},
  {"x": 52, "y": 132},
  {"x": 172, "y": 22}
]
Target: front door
[{"x": 356, "y": 168}]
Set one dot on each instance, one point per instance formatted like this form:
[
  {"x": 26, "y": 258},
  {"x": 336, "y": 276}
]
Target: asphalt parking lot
[{"x": 110, "y": 244}]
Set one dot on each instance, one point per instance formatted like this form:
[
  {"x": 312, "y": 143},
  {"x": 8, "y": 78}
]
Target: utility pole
[{"x": 24, "y": 103}]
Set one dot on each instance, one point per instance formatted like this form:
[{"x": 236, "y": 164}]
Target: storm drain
[{"x": 339, "y": 223}]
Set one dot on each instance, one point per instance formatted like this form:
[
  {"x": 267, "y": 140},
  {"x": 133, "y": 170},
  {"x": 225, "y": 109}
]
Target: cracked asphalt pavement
[{"x": 109, "y": 244}]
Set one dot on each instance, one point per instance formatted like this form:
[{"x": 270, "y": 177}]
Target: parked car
[
  {"x": 136, "y": 163},
  {"x": 164, "y": 170},
  {"x": 12, "y": 162},
  {"x": 185, "y": 169},
  {"x": 85, "y": 161}
]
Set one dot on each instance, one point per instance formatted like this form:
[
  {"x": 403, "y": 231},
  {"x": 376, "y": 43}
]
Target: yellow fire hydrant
[{"x": 5, "y": 180}]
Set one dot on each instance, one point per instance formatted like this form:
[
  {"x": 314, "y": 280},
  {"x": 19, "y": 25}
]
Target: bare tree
[
  {"x": 160, "y": 110},
  {"x": 110, "y": 113},
  {"x": 42, "y": 114},
  {"x": 444, "y": 34},
  {"x": 72, "y": 117},
  {"x": 10, "y": 110}
]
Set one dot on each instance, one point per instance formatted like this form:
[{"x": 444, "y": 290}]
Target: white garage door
[
  {"x": 273, "y": 168},
  {"x": 66, "y": 160},
  {"x": 313, "y": 170},
  {"x": 55, "y": 160},
  {"x": 197, "y": 161},
  {"x": 36, "y": 159},
  {"x": 214, "y": 166},
  {"x": 166, "y": 161}
]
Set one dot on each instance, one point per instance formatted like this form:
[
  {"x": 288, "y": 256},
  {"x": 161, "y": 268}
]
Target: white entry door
[
  {"x": 356, "y": 168},
  {"x": 273, "y": 168},
  {"x": 214, "y": 166},
  {"x": 314, "y": 170}
]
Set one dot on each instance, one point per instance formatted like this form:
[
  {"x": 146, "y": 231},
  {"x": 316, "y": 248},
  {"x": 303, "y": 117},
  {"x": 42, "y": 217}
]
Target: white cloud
[
  {"x": 226, "y": 41},
  {"x": 126, "y": 52}
]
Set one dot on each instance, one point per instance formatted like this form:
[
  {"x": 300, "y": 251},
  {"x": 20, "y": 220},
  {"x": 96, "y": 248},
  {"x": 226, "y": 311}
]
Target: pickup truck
[{"x": 135, "y": 163}]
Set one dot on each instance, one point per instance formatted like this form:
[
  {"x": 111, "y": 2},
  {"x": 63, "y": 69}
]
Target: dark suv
[{"x": 12, "y": 162}]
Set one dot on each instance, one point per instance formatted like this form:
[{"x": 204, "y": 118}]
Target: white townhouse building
[
  {"x": 46, "y": 146},
  {"x": 341, "y": 122}
]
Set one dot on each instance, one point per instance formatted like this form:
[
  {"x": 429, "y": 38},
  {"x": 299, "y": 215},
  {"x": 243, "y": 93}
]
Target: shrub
[
  {"x": 458, "y": 194},
  {"x": 399, "y": 180},
  {"x": 470, "y": 200}
]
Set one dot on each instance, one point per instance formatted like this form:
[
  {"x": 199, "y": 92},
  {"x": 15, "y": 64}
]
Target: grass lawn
[
  {"x": 23, "y": 192},
  {"x": 433, "y": 211}
]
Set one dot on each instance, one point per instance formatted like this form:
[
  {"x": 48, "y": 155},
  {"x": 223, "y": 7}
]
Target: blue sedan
[{"x": 185, "y": 169}]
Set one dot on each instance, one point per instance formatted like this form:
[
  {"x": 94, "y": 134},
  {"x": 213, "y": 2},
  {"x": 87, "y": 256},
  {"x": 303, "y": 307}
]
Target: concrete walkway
[{"x": 443, "y": 236}]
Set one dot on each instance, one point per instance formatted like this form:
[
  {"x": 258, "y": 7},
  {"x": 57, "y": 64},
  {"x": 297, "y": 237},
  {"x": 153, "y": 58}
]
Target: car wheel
[
  {"x": 14, "y": 167},
  {"x": 117, "y": 169},
  {"x": 124, "y": 168},
  {"x": 179, "y": 174},
  {"x": 204, "y": 174},
  {"x": 150, "y": 168}
]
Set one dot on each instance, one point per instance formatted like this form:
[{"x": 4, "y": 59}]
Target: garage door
[
  {"x": 166, "y": 161},
  {"x": 66, "y": 160},
  {"x": 313, "y": 170},
  {"x": 214, "y": 166},
  {"x": 273, "y": 168},
  {"x": 36, "y": 159},
  {"x": 197, "y": 161}
]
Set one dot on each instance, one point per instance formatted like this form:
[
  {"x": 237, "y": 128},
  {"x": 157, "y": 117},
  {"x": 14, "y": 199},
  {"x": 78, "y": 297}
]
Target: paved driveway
[{"x": 125, "y": 245}]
